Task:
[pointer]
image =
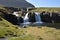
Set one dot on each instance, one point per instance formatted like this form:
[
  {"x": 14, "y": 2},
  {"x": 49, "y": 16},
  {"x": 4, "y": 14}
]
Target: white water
[
  {"x": 26, "y": 19},
  {"x": 37, "y": 17},
  {"x": 15, "y": 13}
]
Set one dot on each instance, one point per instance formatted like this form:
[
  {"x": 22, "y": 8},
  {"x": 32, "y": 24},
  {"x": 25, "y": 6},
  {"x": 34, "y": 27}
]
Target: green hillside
[
  {"x": 14, "y": 32},
  {"x": 9, "y": 30},
  {"x": 49, "y": 9},
  {"x": 43, "y": 33}
]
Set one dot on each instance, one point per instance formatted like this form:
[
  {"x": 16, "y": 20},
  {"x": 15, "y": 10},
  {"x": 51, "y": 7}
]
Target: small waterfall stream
[
  {"x": 26, "y": 19},
  {"x": 37, "y": 17}
]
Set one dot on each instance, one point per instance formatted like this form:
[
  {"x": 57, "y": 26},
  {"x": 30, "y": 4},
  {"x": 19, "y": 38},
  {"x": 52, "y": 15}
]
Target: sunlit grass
[
  {"x": 46, "y": 9},
  {"x": 43, "y": 33},
  {"x": 30, "y": 33},
  {"x": 13, "y": 32}
]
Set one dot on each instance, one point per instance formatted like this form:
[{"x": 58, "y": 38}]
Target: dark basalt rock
[
  {"x": 10, "y": 17},
  {"x": 32, "y": 17},
  {"x": 13, "y": 19},
  {"x": 45, "y": 17},
  {"x": 50, "y": 17},
  {"x": 21, "y": 20},
  {"x": 56, "y": 17}
]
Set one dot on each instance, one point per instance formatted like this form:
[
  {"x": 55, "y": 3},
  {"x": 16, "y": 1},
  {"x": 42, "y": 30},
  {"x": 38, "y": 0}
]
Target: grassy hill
[
  {"x": 14, "y": 32},
  {"x": 49, "y": 9},
  {"x": 43, "y": 33},
  {"x": 9, "y": 30}
]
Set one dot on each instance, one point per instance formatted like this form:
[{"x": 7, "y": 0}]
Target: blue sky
[{"x": 45, "y": 3}]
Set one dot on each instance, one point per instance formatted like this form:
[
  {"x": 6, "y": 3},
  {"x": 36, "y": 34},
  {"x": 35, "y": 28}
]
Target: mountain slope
[{"x": 15, "y": 3}]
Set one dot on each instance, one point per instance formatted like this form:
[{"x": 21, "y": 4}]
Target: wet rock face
[
  {"x": 56, "y": 17},
  {"x": 45, "y": 17},
  {"x": 32, "y": 17},
  {"x": 12, "y": 18},
  {"x": 20, "y": 20},
  {"x": 49, "y": 17}
]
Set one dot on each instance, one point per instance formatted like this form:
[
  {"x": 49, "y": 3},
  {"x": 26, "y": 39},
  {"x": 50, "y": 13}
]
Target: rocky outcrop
[
  {"x": 48, "y": 17},
  {"x": 45, "y": 17},
  {"x": 11, "y": 18},
  {"x": 15, "y": 3},
  {"x": 32, "y": 17},
  {"x": 56, "y": 17}
]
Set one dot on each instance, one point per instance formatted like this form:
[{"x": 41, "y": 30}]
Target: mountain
[{"x": 15, "y": 3}]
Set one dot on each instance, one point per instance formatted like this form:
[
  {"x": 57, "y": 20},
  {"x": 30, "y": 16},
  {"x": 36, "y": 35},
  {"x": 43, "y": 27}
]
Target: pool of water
[{"x": 31, "y": 24}]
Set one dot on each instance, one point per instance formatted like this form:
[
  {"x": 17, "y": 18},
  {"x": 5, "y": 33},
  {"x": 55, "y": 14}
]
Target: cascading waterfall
[
  {"x": 26, "y": 19},
  {"x": 37, "y": 17}
]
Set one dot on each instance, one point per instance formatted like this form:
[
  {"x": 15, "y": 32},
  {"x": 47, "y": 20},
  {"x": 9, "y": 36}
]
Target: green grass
[
  {"x": 13, "y": 32},
  {"x": 27, "y": 37},
  {"x": 35, "y": 33},
  {"x": 52, "y": 9},
  {"x": 8, "y": 29}
]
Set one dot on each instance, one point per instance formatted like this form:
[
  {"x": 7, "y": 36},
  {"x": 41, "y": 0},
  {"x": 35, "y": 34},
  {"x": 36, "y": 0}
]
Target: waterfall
[
  {"x": 26, "y": 19},
  {"x": 37, "y": 17}
]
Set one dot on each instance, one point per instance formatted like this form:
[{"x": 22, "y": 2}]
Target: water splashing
[
  {"x": 37, "y": 17},
  {"x": 26, "y": 19}
]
